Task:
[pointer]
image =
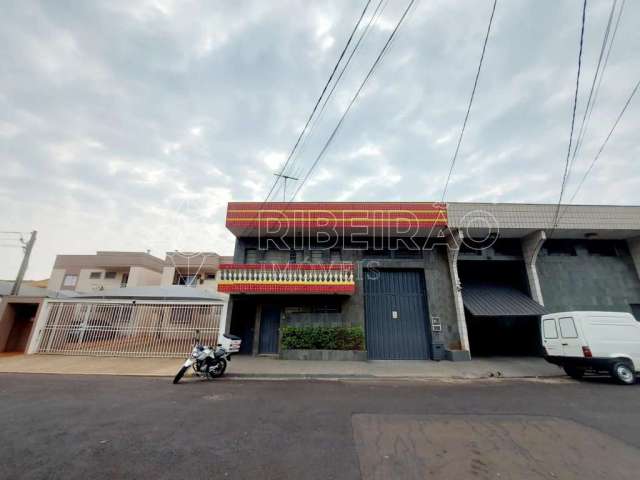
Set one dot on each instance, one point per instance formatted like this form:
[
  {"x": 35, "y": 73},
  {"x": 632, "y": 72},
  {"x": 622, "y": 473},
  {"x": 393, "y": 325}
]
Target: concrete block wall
[
  {"x": 440, "y": 296},
  {"x": 588, "y": 282}
]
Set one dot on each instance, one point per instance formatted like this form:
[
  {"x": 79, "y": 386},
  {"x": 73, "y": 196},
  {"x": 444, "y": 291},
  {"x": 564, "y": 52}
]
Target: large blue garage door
[{"x": 396, "y": 316}]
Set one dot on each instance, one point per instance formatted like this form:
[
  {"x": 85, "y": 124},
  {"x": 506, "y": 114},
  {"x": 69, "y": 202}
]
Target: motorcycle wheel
[
  {"x": 219, "y": 371},
  {"x": 179, "y": 374}
]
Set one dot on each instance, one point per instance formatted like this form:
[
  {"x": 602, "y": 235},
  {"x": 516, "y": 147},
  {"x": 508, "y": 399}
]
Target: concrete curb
[
  {"x": 302, "y": 376},
  {"x": 328, "y": 376}
]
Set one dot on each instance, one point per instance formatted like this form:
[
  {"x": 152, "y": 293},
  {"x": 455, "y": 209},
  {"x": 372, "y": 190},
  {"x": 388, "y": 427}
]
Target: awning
[{"x": 490, "y": 300}]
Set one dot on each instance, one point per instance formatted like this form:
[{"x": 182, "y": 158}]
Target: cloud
[{"x": 129, "y": 125}]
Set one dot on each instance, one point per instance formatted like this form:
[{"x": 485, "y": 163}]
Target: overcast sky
[{"x": 130, "y": 125}]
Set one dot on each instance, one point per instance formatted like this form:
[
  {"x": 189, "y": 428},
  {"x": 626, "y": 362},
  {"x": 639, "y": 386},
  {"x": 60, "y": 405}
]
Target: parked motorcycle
[{"x": 210, "y": 362}]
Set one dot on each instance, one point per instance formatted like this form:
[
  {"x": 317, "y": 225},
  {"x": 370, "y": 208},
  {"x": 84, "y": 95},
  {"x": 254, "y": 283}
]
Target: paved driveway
[{"x": 133, "y": 427}]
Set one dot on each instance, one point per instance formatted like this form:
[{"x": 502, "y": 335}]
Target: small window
[
  {"x": 568, "y": 328},
  {"x": 560, "y": 247},
  {"x": 335, "y": 256},
  {"x": 549, "y": 328},
  {"x": 211, "y": 276},
  {"x": 317, "y": 256},
  {"x": 189, "y": 280},
  {"x": 602, "y": 248},
  {"x": 95, "y": 275},
  {"x": 109, "y": 275},
  {"x": 70, "y": 280},
  {"x": 251, "y": 255},
  {"x": 293, "y": 256}
]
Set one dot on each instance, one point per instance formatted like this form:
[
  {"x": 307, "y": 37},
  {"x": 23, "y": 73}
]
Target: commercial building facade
[{"x": 426, "y": 280}]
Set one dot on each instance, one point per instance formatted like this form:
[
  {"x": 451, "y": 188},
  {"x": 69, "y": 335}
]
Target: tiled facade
[
  {"x": 588, "y": 282},
  {"x": 600, "y": 280}
]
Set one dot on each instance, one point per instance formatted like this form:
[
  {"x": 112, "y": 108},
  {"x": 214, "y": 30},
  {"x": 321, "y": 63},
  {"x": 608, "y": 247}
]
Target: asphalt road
[{"x": 54, "y": 426}]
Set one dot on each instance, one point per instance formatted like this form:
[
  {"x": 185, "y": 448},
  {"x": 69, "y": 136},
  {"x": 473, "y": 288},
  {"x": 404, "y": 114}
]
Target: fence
[{"x": 128, "y": 329}]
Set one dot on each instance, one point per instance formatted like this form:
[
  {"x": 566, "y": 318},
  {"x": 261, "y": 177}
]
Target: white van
[{"x": 595, "y": 342}]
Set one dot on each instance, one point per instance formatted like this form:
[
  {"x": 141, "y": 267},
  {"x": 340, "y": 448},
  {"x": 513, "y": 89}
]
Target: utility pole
[
  {"x": 27, "y": 247},
  {"x": 285, "y": 177}
]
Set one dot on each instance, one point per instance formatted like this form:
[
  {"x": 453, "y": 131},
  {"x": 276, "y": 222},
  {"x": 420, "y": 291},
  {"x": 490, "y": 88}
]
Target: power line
[
  {"x": 604, "y": 68},
  {"x": 573, "y": 119},
  {"x": 353, "y": 100},
  {"x": 582, "y": 131},
  {"x": 606, "y": 140},
  {"x": 315, "y": 107},
  {"x": 595, "y": 94},
  {"x": 473, "y": 93},
  {"x": 374, "y": 16}
]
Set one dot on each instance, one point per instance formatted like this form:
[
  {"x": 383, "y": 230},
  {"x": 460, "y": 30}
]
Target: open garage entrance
[
  {"x": 16, "y": 324},
  {"x": 502, "y": 319}
]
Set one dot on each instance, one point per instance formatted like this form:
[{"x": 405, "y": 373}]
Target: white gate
[{"x": 128, "y": 329}]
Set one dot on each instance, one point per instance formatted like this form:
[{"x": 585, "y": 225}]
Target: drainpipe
[
  {"x": 634, "y": 249},
  {"x": 531, "y": 245},
  {"x": 453, "y": 243}
]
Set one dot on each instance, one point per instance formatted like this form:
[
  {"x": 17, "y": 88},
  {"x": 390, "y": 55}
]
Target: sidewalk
[{"x": 271, "y": 368}]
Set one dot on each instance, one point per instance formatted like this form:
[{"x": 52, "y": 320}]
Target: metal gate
[
  {"x": 128, "y": 329},
  {"x": 396, "y": 315}
]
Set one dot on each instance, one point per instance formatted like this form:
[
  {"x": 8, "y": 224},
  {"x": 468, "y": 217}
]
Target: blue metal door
[
  {"x": 396, "y": 315},
  {"x": 269, "y": 326}
]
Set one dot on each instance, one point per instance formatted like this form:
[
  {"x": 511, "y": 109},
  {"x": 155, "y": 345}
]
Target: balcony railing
[{"x": 287, "y": 278}]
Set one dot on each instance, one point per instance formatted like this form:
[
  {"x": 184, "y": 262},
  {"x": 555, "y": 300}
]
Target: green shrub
[{"x": 323, "y": 338}]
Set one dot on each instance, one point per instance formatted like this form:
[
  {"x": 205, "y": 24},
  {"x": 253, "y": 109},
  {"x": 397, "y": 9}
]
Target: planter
[
  {"x": 457, "y": 355},
  {"x": 330, "y": 355}
]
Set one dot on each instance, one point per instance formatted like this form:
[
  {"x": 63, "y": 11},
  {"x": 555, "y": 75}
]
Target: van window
[
  {"x": 568, "y": 328},
  {"x": 549, "y": 328}
]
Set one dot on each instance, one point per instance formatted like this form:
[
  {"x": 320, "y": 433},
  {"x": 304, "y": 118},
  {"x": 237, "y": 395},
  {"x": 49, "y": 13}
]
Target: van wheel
[
  {"x": 623, "y": 373},
  {"x": 574, "y": 372}
]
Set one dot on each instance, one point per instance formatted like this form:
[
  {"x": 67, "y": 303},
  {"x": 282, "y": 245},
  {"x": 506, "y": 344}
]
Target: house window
[
  {"x": 211, "y": 276},
  {"x": 70, "y": 280},
  {"x": 602, "y": 248},
  {"x": 189, "y": 280},
  {"x": 335, "y": 256},
  {"x": 95, "y": 275},
  {"x": 251, "y": 255},
  {"x": 325, "y": 308},
  {"x": 560, "y": 247},
  {"x": 317, "y": 256},
  {"x": 293, "y": 256},
  {"x": 109, "y": 275}
]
